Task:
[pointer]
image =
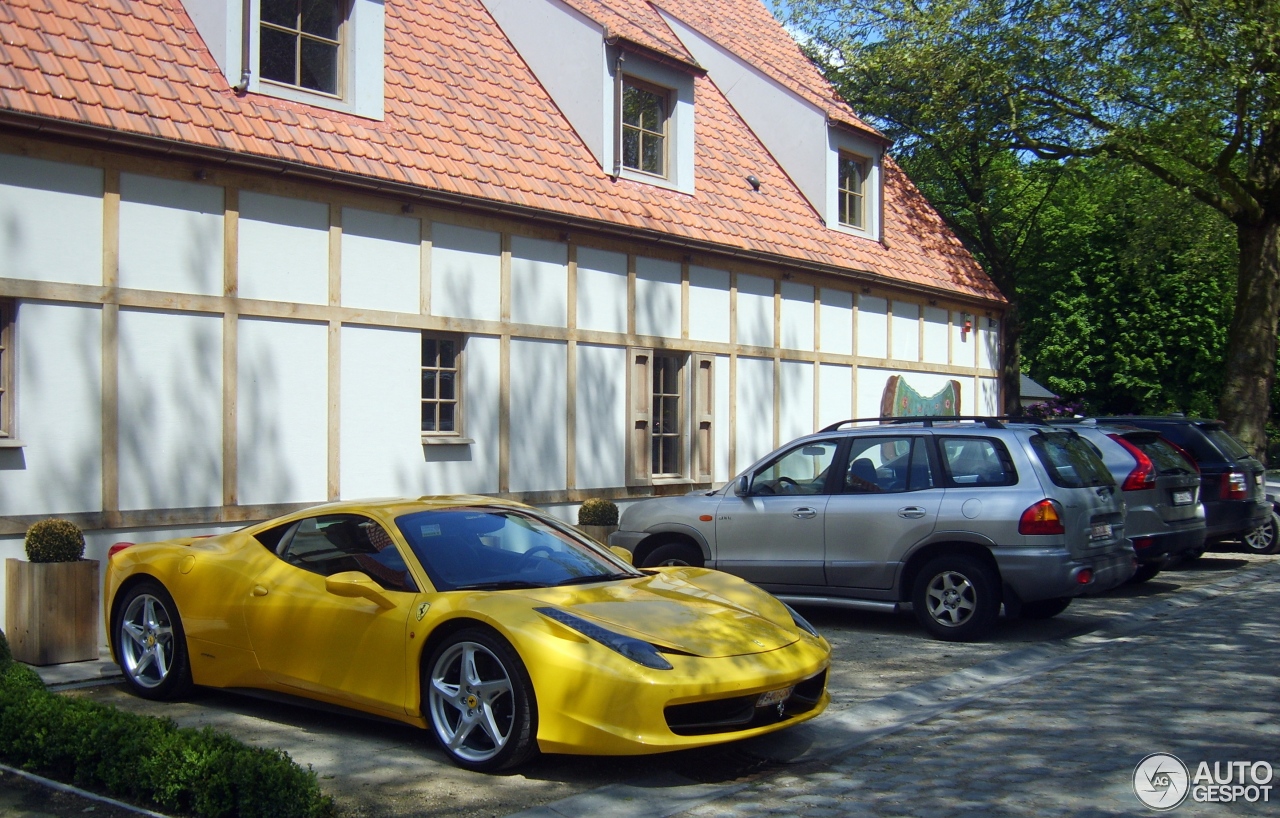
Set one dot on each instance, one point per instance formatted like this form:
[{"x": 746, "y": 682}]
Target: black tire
[
  {"x": 673, "y": 553},
  {"x": 150, "y": 644},
  {"x": 1044, "y": 608},
  {"x": 1265, "y": 539},
  {"x": 489, "y": 722},
  {"x": 1146, "y": 571},
  {"x": 956, "y": 598}
]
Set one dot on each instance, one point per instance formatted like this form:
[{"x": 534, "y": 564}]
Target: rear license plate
[
  {"x": 1181, "y": 498},
  {"x": 774, "y": 697},
  {"x": 1100, "y": 531}
]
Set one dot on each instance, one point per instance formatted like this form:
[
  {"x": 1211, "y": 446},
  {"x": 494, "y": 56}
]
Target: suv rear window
[
  {"x": 1071, "y": 462},
  {"x": 1166, "y": 459},
  {"x": 1221, "y": 438}
]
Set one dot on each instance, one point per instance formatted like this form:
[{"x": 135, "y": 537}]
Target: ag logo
[{"x": 1161, "y": 781}]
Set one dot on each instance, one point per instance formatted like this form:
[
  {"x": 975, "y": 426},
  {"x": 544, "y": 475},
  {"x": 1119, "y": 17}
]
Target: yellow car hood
[{"x": 689, "y": 610}]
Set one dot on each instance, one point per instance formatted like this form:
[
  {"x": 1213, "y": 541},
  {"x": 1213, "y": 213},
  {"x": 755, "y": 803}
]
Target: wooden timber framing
[{"x": 230, "y": 307}]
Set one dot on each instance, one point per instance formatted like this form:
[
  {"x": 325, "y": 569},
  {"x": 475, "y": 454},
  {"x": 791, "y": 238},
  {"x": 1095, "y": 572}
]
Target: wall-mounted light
[
  {"x": 966, "y": 325},
  {"x": 406, "y": 208},
  {"x": 992, "y": 323}
]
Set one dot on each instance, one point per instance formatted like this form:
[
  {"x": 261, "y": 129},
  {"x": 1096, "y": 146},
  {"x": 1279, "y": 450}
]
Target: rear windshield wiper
[
  {"x": 594, "y": 578},
  {"x": 500, "y": 585}
]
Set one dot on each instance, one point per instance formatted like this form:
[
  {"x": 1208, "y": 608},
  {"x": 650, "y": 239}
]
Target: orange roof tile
[{"x": 466, "y": 116}]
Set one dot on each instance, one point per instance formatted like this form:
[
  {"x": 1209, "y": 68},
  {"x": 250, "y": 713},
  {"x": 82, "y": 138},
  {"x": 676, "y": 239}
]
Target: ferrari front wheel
[
  {"x": 150, "y": 644},
  {"x": 481, "y": 701}
]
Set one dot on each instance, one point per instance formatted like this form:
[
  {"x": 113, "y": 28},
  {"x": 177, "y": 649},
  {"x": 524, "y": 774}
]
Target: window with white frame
[
  {"x": 851, "y": 190},
  {"x": 671, "y": 412},
  {"x": 441, "y": 385},
  {"x": 646, "y": 109},
  {"x": 8, "y": 402},
  {"x": 300, "y": 43}
]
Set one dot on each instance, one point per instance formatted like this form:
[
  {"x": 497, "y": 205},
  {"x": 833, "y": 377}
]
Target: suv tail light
[
  {"x": 1235, "y": 486},
  {"x": 1143, "y": 476},
  {"x": 1042, "y": 518}
]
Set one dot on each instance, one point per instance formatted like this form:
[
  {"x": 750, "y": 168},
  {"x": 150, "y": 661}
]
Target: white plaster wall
[
  {"x": 41, "y": 204},
  {"x": 657, "y": 297},
  {"x": 602, "y": 290},
  {"x": 755, "y": 410},
  {"x": 796, "y": 388},
  {"x": 381, "y": 261},
  {"x": 906, "y": 331},
  {"x": 600, "y": 417},
  {"x": 170, "y": 410},
  {"x": 797, "y": 316},
  {"x": 539, "y": 282},
  {"x": 988, "y": 397},
  {"x": 963, "y": 347},
  {"x": 382, "y": 453},
  {"x": 708, "y": 305},
  {"x": 284, "y": 249},
  {"x": 466, "y": 272},
  {"x": 170, "y": 235},
  {"x": 721, "y": 431},
  {"x": 755, "y": 311},
  {"x": 59, "y": 389},
  {"x": 282, "y": 412},
  {"x": 935, "y": 335},
  {"x": 836, "y": 316},
  {"x": 988, "y": 342},
  {"x": 870, "y": 390},
  {"x": 873, "y": 329},
  {"x": 835, "y": 394},
  {"x": 538, "y": 411}
]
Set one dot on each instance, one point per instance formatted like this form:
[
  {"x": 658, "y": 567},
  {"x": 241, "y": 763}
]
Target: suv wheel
[
  {"x": 956, "y": 598},
  {"x": 1265, "y": 539},
  {"x": 674, "y": 553}
]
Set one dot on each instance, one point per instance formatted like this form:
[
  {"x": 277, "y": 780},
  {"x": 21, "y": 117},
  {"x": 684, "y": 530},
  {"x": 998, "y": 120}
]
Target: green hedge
[{"x": 144, "y": 759}]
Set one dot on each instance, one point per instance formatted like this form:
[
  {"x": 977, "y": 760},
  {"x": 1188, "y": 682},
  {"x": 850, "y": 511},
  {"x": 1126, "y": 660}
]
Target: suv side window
[
  {"x": 802, "y": 470},
  {"x": 1071, "y": 461},
  {"x": 333, "y": 543},
  {"x": 977, "y": 461},
  {"x": 887, "y": 464}
]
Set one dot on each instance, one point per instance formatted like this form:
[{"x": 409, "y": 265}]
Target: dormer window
[
  {"x": 645, "y": 112},
  {"x": 301, "y": 43},
  {"x": 852, "y": 200}
]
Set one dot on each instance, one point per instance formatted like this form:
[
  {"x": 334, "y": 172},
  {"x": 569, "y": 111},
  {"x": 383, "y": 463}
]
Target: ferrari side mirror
[
  {"x": 622, "y": 554},
  {"x": 357, "y": 584}
]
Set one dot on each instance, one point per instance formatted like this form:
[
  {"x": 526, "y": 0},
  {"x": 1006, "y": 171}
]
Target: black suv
[{"x": 1232, "y": 481}]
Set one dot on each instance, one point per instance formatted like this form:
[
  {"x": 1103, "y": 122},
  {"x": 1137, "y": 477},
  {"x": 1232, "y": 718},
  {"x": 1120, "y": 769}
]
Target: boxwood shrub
[{"x": 147, "y": 760}]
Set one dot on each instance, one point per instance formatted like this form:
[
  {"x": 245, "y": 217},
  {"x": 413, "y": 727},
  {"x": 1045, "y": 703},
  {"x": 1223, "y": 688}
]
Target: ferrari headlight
[
  {"x": 636, "y": 650},
  {"x": 801, "y": 622}
]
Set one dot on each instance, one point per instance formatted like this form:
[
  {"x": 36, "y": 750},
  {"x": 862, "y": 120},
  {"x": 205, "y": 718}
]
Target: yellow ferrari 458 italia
[{"x": 500, "y": 629}]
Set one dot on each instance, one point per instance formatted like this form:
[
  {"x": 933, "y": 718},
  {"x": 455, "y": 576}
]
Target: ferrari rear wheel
[
  {"x": 481, "y": 702},
  {"x": 150, "y": 643}
]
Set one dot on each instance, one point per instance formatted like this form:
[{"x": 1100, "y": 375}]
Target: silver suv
[{"x": 949, "y": 517}]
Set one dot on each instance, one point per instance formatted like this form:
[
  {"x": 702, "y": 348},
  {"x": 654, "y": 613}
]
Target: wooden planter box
[
  {"x": 51, "y": 611},
  {"x": 599, "y": 533}
]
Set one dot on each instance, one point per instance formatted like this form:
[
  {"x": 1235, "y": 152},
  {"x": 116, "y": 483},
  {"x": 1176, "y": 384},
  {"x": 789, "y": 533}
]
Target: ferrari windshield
[{"x": 496, "y": 549}]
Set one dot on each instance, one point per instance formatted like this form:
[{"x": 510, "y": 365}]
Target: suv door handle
[
  {"x": 804, "y": 513},
  {"x": 911, "y": 512}
]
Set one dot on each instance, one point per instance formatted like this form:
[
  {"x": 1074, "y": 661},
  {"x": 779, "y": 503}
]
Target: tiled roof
[{"x": 466, "y": 116}]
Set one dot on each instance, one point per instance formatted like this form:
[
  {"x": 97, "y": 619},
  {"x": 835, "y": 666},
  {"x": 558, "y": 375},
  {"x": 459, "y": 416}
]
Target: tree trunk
[
  {"x": 1251, "y": 343},
  {"x": 1011, "y": 360}
]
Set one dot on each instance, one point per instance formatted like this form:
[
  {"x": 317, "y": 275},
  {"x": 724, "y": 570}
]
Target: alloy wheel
[
  {"x": 147, "y": 641},
  {"x": 951, "y": 598},
  {"x": 472, "y": 702}
]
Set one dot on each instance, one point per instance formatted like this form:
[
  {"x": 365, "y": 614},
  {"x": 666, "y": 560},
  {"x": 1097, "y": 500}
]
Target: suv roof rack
[{"x": 990, "y": 421}]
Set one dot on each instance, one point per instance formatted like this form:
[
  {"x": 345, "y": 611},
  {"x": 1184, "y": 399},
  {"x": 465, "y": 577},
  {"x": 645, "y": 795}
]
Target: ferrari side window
[{"x": 334, "y": 543}]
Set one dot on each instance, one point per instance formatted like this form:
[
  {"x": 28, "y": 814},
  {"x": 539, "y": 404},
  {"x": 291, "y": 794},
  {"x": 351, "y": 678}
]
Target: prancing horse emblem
[{"x": 422, "y": 609}]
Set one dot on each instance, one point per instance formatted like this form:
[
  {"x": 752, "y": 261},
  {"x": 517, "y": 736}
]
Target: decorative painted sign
[{"x": 901, "y": 401}]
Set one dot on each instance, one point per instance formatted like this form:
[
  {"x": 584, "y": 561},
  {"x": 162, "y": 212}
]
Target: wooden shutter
[
  {"x": 639, "y": 417},
  {"x": 702, "y": 394}
]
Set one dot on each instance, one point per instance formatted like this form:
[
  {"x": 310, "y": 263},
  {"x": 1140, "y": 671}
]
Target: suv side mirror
[{"x": 743, "y": 487}]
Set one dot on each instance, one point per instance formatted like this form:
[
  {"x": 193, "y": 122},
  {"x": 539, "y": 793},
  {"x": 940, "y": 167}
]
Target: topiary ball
[
  {"x": 597, "y": 511},
  {"x": 6, "y": 656},
  {"x": 54, "y": 541}
]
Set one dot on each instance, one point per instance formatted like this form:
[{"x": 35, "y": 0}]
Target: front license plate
[
  {"x": 1101, "y": 531},
  {"x": 1181, "y": 498},
  {"x": 774, "y": 697}
]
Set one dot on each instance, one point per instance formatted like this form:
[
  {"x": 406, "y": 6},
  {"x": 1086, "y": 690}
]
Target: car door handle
[
  {"x": 911, "y": 512},
  {"x": 804, "y": 513},
  {"x": 258, "y": 590}
]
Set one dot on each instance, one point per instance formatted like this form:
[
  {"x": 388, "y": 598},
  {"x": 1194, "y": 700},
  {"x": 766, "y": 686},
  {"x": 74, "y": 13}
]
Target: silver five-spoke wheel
[
  {"x": 480, "y": 701},
  {"x": 150, "y": 644}
]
